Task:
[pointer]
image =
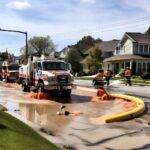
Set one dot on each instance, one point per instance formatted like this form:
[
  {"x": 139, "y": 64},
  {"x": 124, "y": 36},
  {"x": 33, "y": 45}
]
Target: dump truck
[
  {"x": 10, "y": 71},
  {"x": 45, "y": 74}
]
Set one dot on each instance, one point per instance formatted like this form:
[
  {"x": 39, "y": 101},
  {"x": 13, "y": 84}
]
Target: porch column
[{"x": 131, "y": 62}]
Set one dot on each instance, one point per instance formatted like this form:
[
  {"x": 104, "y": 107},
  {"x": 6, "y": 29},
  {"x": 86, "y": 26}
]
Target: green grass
[
  {"x": 83, "y": 78},
  {"x": 15, "y": 135}
]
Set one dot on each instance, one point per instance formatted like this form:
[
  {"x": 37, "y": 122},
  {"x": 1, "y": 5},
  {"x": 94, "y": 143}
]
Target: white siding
[{"x": 128, "y": 47}]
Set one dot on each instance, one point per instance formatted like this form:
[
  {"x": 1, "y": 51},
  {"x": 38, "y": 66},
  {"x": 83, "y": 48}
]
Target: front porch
[{"x": 136, "y": 63}]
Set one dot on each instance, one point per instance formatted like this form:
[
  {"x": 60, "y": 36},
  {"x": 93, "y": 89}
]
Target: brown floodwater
[{"x": 75, "y": 131}]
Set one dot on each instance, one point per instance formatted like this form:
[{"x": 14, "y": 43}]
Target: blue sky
[{"x": 67, "y": 21}]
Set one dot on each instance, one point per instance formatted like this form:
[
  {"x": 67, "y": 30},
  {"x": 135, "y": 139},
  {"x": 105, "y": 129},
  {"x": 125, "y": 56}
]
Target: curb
[{"x": 123, "y": 115}]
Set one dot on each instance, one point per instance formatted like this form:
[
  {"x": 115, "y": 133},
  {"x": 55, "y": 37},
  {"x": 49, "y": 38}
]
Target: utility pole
[{"x": 26, "y": 38}]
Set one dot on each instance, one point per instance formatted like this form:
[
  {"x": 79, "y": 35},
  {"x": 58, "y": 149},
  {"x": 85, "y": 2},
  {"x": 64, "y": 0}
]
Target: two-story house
[{"x": 132, "y": 51}]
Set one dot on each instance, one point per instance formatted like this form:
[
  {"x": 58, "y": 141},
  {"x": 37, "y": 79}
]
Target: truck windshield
[
  {"x": 54, "y": 65},
  {"x": 13, "y": 67}
]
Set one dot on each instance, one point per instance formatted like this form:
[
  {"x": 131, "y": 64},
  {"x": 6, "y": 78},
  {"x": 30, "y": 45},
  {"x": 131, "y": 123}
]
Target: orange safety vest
[
  {"x": 99, "y": 76},
  {"x": 127, "y": 73},
  {"x": 108, "y": 73}
]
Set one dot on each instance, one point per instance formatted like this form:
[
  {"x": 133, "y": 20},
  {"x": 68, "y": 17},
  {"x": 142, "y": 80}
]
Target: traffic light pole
[{"x": 26, "y": 38}]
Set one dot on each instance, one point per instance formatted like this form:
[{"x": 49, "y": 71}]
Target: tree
[
  {"x": 84, "y": 44},
  {"x": 148, "y": 31},
  {"x": 73, "y": 57},
  {"x": 94, "y": 59},
  {"x": 39, "y": 46}
]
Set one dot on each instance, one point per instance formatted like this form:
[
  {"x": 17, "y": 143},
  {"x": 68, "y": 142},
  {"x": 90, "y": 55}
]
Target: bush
[{"x": 145, "y": 76}]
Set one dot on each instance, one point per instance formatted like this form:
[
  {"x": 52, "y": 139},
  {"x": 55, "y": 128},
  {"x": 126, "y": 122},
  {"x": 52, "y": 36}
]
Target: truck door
[{"x": 38, "y": 71}]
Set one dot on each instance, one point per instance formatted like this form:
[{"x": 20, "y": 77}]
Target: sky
[{"x": 67, "y": 21}]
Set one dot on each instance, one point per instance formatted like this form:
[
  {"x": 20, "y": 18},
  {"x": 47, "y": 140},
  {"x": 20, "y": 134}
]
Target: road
[
  {"x": 140, "y": 91},
  {"x": 79, "y": 132}
]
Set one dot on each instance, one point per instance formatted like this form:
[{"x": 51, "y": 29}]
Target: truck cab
[{"x": 10, "y": 71}]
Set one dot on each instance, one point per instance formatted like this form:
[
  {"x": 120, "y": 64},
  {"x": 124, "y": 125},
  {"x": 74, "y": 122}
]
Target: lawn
[{"x": 15, "y": 135}]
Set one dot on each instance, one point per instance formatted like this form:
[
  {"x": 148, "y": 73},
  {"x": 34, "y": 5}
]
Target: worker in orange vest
[
  {"x": 98, "y": 80},
  {"x": 128, "y": 74},
  {"x": 108, "y": 75}
]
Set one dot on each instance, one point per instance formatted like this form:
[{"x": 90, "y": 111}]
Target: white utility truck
[
  {"x": 10, "y": 71},
  {"x": 46, "y": 74}
]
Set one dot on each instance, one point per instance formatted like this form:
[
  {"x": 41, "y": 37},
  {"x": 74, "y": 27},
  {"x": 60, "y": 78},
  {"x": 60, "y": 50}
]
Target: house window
[
  {"x": 145, "y": 49},
  {"x": 141, "y": 49},
  {"x": 139, "y": 68}
]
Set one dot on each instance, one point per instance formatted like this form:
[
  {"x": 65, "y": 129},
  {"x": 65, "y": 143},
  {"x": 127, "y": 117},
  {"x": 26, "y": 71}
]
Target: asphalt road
[
  {"x": 140, "y": 91},
  {"x": 79, "y": 132}
]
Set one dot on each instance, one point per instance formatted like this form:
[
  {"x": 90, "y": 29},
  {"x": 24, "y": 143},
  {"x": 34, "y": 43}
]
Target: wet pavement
[{"x": 79, "y": 132}]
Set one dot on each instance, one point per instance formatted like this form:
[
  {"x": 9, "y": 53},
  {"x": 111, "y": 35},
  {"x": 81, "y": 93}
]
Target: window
[
  {"x": 145, "y": 49},
  {"x": 141, "y": 49},
  {"x": 39, "y": 66},
  {"x": 47, "y": 65}
]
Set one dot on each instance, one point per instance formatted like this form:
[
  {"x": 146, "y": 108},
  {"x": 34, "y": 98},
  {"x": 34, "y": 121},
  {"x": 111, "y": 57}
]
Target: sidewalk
[{"x": 140, "y": 91}]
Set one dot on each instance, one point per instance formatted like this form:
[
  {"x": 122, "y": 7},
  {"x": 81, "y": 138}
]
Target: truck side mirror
[{"x": 39, "y": 72}]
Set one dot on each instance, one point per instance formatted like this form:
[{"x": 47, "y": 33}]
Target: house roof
[
  {"x": 125, "y": 57},
  {"x": 106, "y": 46},
  {"x": 109, "y": 46},
  {"x": 139, "y": 37}
]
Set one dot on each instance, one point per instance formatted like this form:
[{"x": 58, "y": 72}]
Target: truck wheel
[
  {"x": 1, "y": 78},
  {"x": 40, "y": 87},
  {"x": 67, "y": 93}
]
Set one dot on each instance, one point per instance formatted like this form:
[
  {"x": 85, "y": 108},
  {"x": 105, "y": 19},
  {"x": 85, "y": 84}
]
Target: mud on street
[{"x": 79, "y": 132}]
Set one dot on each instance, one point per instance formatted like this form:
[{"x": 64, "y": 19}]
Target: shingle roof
[
  {"x": 125, "y": 57},
  {"x": 139, "y": 37},
  {"x": 107, "y": 46}
]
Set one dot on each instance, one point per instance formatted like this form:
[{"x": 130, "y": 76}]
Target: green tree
[
  {"x": 39, "y": 45},
  {"x": 148, "y": 31},
  {"x": 73, "y": 57},
  {"x": 94, "y": 59}
]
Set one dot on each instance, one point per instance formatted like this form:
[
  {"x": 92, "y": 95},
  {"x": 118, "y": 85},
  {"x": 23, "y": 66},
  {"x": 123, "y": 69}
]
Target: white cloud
[
  {"x": 18, "y": 5},
  {"x": 88, "y": 1}
]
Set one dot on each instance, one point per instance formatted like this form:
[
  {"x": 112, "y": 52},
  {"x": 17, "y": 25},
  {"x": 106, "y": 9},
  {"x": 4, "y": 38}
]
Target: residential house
[
  {"x": 132, "y": 51},
  {"x": 63, "y": 53},
  {"x": 107, "y": 47}
]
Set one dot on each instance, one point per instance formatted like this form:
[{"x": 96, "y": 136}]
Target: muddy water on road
[{"x": 77, "y": 131}]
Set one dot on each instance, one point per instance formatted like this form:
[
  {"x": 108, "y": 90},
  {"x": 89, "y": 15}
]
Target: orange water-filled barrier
[{"x": 39, "y": 95}]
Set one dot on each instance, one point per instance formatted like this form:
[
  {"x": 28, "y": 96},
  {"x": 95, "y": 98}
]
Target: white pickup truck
[{"x": 46, "y": 74}]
